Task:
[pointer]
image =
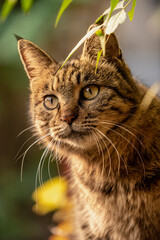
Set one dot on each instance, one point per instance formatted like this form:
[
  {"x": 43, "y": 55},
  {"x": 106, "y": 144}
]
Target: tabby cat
[{"x": 101, "y": 129}]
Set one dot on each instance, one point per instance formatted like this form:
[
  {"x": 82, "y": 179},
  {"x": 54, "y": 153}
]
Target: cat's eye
[
  {"x": 90, "y": 92},
  {"x": 50, "y": 102}
]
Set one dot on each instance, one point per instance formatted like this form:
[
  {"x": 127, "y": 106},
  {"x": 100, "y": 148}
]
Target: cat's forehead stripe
[{"x": 67, "y": 76}]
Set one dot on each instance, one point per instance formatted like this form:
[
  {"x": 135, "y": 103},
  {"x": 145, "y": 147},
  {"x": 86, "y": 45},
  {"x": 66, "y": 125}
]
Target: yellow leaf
[{"x": 51, "y": 196}]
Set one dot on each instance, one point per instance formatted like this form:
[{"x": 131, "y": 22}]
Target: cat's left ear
[
  {"x": 35, "y": 60},
  {"x": 93, "y": 45}
]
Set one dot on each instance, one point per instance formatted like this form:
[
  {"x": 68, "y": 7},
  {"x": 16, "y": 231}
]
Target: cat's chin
[{"x": 77, "y": 140}]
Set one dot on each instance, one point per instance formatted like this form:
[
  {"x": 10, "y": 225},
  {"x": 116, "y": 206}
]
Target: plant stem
[{"x": 127, "y": 4}]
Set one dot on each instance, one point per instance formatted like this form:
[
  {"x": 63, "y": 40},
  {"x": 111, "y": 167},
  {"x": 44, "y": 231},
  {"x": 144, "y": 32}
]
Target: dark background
[{"x": 140, "y": 43}]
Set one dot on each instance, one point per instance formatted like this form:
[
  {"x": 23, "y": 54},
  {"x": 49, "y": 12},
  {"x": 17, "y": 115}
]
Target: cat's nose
[
  {"x": 69, "y": 114},
  {"x": 68, "y": 118}
]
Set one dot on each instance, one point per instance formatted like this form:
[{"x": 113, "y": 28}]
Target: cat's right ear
[
  {"x": 35, "y": 60},
  {"x": 93, "y": 45}
]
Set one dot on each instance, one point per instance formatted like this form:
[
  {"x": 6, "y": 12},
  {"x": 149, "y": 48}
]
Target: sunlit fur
[{"x": 112, "y": 145}]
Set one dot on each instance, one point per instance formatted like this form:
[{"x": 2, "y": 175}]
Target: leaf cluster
[
  {"x": 8, "y": 5},
  {"x": 106, "y": 24}
]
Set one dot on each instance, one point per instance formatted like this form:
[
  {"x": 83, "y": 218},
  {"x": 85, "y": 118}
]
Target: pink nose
[{"x": 68, "y": 118}]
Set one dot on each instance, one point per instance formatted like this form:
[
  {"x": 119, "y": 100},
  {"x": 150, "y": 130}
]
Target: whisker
[
  {"x": 56, "y": 159},
  {"x": 109, "y": 156},
  {"x": 15, "y": 158},
  {"x": 24, "y": 154},
  {"x": 38, "y": 175},
  {"x": 26, "y": 129},
  {"x": 42, "y": 166},
  {"x": 125, "y": 129},
  {"x": 34, "y": 135},
  {"x": 38, "y": 169},
  {"x": 44, "y": 156},
  {"x": 131, "y": 145},
  {"x": 49, "y": 162},
  {"x": 103, "y": 158},
  {"x": 118, "y": 155},
  {"x": 96, "y": 141}
]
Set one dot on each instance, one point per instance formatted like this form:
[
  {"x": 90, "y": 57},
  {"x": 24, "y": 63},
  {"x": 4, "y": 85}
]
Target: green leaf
[
  {"x": 131, "y": 12},
  {"x": 100, "y": 20},
  {"x": 87, "y": 36},
  {"x": 100, "y": 33},
  {"x": 98, "y": 58},
  {"x": 113, "y": 4},
  {"x": 7, "y": 7},
  {"x": 63, "y": 7},
  {"x": 26, "y": 5}
]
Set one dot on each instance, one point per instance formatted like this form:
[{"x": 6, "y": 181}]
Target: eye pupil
[
  {"x": 90, "y": 92},
  {"x": 50, "y": 102}
]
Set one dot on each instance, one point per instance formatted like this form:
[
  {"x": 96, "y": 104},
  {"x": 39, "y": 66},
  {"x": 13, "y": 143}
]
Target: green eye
[
  {"x": 90, "y": 92},
  {"x": 50, "y": 102}
]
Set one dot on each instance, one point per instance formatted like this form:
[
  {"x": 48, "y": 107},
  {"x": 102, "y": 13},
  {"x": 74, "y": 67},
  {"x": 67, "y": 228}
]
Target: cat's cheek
[{"x": 39, "y": 127}]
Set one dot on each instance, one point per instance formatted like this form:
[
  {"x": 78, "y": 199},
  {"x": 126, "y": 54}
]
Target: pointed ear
[
  {"x": 34, "y": 59},
  {"x": 93, "y": 45}
]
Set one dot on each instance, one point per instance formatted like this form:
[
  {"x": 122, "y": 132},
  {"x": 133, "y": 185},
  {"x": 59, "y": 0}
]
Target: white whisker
[
  {"x": 15, "y": 158},
  {"x": 26, "y": 129},
  {"x": 24, "y": 154},
  {"x": 38, "y": 175},
  {"x": 130, "y": 144},
  {"x": 118, "y": 155},
  {"x": 42, "y": 166},
  {"x": 97, "y": 142},
  {"x": 34, "y": 135},
  {"x": 125, "y": 129},
  {"x": 49, "y": 162},
  {"x": 103, "y": 158},
  {"x": 56, "y": 159},
  {"x": 109, "y": 156}
]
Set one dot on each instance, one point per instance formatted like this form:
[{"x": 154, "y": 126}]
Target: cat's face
[{"x": 77, "y": 106}]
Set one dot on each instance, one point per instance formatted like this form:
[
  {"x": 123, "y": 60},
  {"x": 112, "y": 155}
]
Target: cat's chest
[
  {"x": 122, "y": 212},
  {"x": 113, "y": 213}
]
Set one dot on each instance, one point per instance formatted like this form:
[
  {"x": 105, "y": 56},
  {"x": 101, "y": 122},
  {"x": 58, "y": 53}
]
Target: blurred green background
[{"x": 140, "y": 43}]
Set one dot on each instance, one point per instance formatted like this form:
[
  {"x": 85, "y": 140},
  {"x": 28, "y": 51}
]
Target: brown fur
[{"x": 110, "y": 142}]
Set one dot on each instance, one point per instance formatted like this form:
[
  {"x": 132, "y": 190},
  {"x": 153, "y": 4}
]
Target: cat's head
[{"x": 75, "y": 106}]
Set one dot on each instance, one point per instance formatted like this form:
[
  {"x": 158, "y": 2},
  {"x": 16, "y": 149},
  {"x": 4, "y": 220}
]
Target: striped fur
[{"x": 110, "y": 142}]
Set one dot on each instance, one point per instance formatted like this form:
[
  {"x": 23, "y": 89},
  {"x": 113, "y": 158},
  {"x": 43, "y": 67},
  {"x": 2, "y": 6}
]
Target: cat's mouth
[{"x": 71, "y": 133}]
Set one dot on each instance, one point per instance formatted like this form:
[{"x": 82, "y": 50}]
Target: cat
[{"x": 110, "y": 141}]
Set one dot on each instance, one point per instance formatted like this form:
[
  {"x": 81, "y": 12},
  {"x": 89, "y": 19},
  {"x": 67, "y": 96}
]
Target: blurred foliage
[
  {"x": 35, "y": 25},
  {"x": 8, "y": 5},
  {"x": 63, "y": 7},
  {"x": 26, "y": 5}
]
